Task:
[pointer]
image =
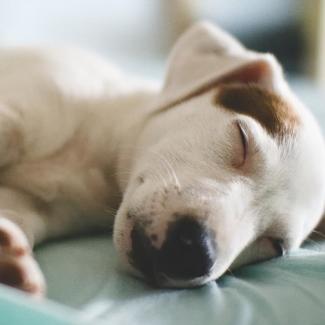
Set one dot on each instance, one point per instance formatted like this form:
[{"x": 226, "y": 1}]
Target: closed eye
[{"x": 244, "y": 141}]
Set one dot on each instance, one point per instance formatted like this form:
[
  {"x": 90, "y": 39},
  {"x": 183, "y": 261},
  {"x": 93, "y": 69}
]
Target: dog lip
[{"x": 164, "y": 281}]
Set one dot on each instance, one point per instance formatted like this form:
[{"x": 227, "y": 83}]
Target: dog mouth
[
  {"x": 185, "y": 259},
  {"x": 162, "y": 280}
]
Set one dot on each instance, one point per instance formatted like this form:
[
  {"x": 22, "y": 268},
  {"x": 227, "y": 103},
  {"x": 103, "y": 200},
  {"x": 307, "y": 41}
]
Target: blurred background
[{"x": 138, "y": 34}]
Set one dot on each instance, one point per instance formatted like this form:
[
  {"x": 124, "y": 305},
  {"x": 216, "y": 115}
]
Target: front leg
[{"x": 21, "y": 224}]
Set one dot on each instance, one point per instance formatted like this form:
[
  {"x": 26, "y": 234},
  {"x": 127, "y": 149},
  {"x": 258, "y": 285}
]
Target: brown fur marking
[{"x": 269, "y": 109}]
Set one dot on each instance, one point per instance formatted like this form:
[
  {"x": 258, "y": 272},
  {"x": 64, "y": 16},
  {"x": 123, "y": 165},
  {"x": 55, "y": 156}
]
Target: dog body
[
  {"x": 222, "y": 166},
  {"x": 65, "y": 116}
]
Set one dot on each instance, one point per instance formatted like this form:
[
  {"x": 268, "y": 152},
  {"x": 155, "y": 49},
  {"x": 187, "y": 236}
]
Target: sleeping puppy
[{"x": 221, "y": 167}]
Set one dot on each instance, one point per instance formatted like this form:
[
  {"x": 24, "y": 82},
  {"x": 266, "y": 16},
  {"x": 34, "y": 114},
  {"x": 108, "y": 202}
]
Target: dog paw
[{"x": 18, "y": 268}]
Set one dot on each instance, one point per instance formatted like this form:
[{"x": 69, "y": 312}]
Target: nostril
[
  {"x": 187, "y": 233},
  {"x": 142, "y": 251},
  {"x": 189, "y": 250}
]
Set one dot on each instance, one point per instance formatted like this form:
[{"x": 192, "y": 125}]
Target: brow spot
[{"x": 270, "y": 110}]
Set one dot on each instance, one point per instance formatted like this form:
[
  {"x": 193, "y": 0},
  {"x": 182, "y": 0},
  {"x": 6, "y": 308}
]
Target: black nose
[{"x": 189, "y": 250}]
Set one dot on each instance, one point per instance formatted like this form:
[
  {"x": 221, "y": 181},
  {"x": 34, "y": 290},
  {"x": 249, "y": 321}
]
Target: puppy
[{"x": 222, "y": 166}]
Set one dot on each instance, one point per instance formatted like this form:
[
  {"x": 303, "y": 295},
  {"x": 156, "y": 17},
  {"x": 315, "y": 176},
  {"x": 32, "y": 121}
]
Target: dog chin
[
  {"x": 163, "y": 281},
  {"x": 166, "y": 282}
]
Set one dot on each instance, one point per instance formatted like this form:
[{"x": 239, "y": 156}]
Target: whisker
[
  {"x": 169, "y": 168},
  {"x": 162, "y": 159},
  {"x": 173, "y": 173},
  {"x": 163, "y": 164}
]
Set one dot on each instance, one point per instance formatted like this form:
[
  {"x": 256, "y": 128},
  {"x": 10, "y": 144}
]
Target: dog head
[{"x": 229, "y": 169}]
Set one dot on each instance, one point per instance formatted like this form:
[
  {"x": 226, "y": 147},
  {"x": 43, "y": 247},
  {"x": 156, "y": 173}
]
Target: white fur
[{"x": 89, "y": 140}]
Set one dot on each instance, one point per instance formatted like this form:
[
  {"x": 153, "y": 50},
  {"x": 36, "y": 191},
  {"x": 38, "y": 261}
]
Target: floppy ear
[{"x": 206, "y": 56}]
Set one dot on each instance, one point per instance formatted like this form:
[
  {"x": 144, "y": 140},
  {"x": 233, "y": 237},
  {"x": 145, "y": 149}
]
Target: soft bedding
[
  {"x": 85, "y": 285},
  {"x": 83, "y": 274}
]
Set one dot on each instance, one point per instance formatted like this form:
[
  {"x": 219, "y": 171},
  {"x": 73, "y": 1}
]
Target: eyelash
[{"x": 244, "y": 139}]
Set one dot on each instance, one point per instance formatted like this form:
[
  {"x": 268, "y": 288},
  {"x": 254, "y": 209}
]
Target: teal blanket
[{"x": 84, "y": 275}]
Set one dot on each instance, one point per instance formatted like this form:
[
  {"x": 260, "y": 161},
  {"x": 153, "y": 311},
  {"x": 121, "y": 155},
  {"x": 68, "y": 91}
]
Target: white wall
[
  {"x": 129, "y": 31},
  {"x": 119, "y": 28}
]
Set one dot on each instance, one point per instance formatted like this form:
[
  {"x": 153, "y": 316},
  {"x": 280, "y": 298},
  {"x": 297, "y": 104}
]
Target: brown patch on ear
[{"x": 269, "y": 109}]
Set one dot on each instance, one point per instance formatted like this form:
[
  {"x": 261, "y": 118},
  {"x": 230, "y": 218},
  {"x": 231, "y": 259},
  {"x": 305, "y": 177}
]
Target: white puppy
[{"x": 222, "y": 166}]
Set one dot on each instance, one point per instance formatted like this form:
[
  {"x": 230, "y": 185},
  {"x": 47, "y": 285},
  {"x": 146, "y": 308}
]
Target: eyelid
[{"x": 244, "y": 139}]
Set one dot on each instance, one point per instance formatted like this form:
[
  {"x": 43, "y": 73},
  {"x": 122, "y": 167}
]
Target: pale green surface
[
  {"x": 84, "y": 274},
  {"x": 18, "y": 308},
  {"x": 288, "y": 290}
]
